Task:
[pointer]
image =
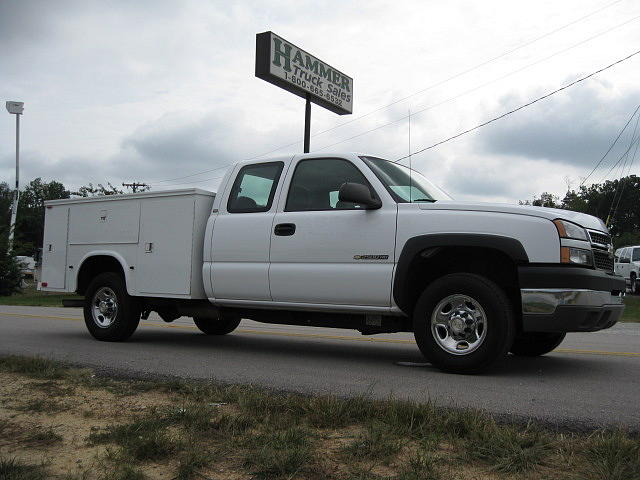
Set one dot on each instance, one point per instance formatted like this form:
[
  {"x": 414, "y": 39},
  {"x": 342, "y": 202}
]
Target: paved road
[{"x": 591, "y": 380}]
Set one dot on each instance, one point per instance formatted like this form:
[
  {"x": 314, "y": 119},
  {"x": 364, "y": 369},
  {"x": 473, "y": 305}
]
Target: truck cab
[{"x": 345, "y": 241}]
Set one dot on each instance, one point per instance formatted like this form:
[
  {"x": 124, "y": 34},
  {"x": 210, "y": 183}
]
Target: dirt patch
[{"x": 74, "y": 425}]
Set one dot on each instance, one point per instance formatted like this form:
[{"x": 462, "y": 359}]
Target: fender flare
[
  {"x": 414, "y": 246},
  {"x": 104, "y": 253}
]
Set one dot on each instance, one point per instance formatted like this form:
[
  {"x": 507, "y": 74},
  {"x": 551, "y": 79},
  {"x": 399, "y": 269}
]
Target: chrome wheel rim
[
  {"x": 104, "y": 307},
  {"x": 459, "y": 324}
]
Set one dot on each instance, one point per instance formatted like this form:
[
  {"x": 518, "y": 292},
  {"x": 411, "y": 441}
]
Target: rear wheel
[
  {"x": 110, "y": 314},
  {"x": 533, "y": 344},
  {"x": 217, "y": 326},
  {"x": 463, "y": 323}
]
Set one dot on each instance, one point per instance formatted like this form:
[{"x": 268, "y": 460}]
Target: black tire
[
  {"x": 217, "y": 326},
  {"x": 534, "y": 344},
  {"x": 634, "y": 284},
  {"x": 110, "y": 325},
  {"x": 499, "y": 323}
]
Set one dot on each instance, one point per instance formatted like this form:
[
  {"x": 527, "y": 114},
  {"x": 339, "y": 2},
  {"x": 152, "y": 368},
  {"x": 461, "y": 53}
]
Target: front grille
[
  {"x": 603, "y": 260},
  {"x": 600, "y": 238}
]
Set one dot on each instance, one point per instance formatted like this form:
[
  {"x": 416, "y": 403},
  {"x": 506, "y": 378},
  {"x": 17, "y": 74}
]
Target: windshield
[{"x": 402, "y": 186}]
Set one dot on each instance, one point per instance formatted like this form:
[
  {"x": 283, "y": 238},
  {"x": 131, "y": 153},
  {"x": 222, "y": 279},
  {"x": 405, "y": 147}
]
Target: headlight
[
  {"x": 570, "y": 230},
  {"x": 576, "y": 255}
]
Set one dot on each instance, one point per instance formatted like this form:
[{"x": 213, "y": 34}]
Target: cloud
[{"x": 573, "y": 127}]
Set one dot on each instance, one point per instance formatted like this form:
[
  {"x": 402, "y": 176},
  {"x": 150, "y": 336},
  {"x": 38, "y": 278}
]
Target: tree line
[
  {"x": 617, "y": 202},
  {"x": 30, "y": 219}
]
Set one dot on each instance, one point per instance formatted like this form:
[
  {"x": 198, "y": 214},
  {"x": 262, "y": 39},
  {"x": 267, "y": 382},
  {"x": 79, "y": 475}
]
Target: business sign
[{"x": 283, "y": 64}]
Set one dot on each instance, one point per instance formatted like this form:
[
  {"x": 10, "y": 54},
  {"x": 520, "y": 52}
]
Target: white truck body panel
[
  {"x": 537, "y": 235},
  {"x": 155, "y": 236},
  {"x": 54, "y": 251}
]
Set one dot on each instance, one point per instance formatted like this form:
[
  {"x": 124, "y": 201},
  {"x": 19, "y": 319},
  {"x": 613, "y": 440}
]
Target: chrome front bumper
[
  {"x": 569, "y": 310},
  {"x": 546, "y": 300}
]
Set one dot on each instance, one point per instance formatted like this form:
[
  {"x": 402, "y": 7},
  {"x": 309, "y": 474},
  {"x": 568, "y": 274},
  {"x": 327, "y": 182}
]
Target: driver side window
[{"x": 316, "y": 183}]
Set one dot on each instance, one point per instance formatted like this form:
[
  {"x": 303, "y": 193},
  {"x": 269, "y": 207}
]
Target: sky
[{"x": 157, "y": 91}]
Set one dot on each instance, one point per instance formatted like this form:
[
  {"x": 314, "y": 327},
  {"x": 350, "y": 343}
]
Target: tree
[
  {"x": 92, "y": 191},
  {"x": 546, "y": 199},
  {"x": 30, "y": 219},
  {"x": 6, "y": 199},
  {"x": 10, "y": 275},
  {"x": 617, "y": 202}
]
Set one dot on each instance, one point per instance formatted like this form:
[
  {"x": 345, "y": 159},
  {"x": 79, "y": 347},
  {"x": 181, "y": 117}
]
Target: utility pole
[
  {"x": 15, "y": 108},
  {"x": 134, "y": 186}
]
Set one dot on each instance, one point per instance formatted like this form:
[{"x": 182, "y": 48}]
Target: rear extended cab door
[{"x": 239, "y": 267}]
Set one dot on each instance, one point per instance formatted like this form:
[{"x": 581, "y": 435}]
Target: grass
[
  {"x": 33, "y": 367},
  {"x": 41, "y": 436},
  {"x": 13, "y": 469},
  {"x": 632, "y": 309},
  {"x": 34, "y": 298},
  {"x": 207, "y": 430},
  {"x": 376, "y": 443}
]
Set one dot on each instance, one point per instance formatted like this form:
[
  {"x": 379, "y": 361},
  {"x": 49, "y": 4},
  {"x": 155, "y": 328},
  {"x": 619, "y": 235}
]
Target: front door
[{"x": 328, "y": 252}]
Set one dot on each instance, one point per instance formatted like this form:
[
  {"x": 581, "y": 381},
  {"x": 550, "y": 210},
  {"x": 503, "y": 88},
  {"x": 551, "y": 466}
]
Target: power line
[
  {"x": 575, "y": 82},
  {"x": 621, "y": 182},
  {"x": 625, "y": 154},
  {"x": 612, "y": 145},
  {"x": 478, "y": 87},
  {"x": 190, "y": 183},
  {"x": 468, "y": 70},
  {"x": 437, "y": 84}
]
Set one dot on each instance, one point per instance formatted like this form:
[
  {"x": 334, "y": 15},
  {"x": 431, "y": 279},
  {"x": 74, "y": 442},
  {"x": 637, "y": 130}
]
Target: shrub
[{"x": 10, "y": 276}]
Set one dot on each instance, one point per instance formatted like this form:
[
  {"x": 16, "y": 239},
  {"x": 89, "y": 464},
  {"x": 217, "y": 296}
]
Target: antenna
[{"x": 410, "y": 169}]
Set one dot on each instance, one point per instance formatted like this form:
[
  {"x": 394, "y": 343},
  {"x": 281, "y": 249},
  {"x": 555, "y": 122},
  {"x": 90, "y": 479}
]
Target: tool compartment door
[
  {"x": 166, "y": 243},
  {"x": 54, "y": 249}
]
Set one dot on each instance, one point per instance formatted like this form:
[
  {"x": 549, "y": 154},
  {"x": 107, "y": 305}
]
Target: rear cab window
[{"x": 254, "y": 188}]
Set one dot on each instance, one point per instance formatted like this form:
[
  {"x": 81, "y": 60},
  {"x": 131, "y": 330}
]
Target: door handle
[{"x": 285, "y": 229}]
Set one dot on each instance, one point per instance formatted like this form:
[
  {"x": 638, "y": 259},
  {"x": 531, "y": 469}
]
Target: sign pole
[
  {"x": 16, "y": 195},
  {"x": 307, "y": 124}
]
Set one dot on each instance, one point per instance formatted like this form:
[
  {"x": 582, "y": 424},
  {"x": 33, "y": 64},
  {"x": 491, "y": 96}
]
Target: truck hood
[{"x": 582, "y": 219}]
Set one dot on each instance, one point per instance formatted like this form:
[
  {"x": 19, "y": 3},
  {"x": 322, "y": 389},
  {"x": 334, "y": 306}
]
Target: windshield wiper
[{"x": 423, "y": 200}]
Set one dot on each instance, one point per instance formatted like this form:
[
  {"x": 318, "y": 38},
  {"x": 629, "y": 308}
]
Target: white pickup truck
[{"x": 337, "y": 240}]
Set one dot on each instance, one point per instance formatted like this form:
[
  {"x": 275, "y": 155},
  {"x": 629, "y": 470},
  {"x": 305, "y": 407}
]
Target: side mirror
[{"x": 358, "y": 193}]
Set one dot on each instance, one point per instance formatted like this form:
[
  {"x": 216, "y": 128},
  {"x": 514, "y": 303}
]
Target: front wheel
[
  {"x": 463, "y": 323},
  {"x": 111, "y": 315},
  {"x": 533, "y": 344}
]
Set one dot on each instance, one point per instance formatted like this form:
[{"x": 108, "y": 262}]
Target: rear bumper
[{"x": 568, "y": 299}]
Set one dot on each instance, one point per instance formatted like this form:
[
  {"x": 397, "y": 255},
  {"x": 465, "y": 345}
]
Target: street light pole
[{"x": 15, "y": 108}]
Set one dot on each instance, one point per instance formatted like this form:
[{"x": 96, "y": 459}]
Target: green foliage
[
  {"x": 279, "y": 454},
  {"x": 10, "y": 276},
  {"x": 98, "y": 190},
  {"x": 614, "y": 201},
  {"x": 546, "y": 199},
  {"x": 30, "y": 218},
  {"x": 613, "y": 456},
  {"x": 34, "y": 367},
  {"x": 374, "y": 444},
  {"x": 13, "y": 469}
]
